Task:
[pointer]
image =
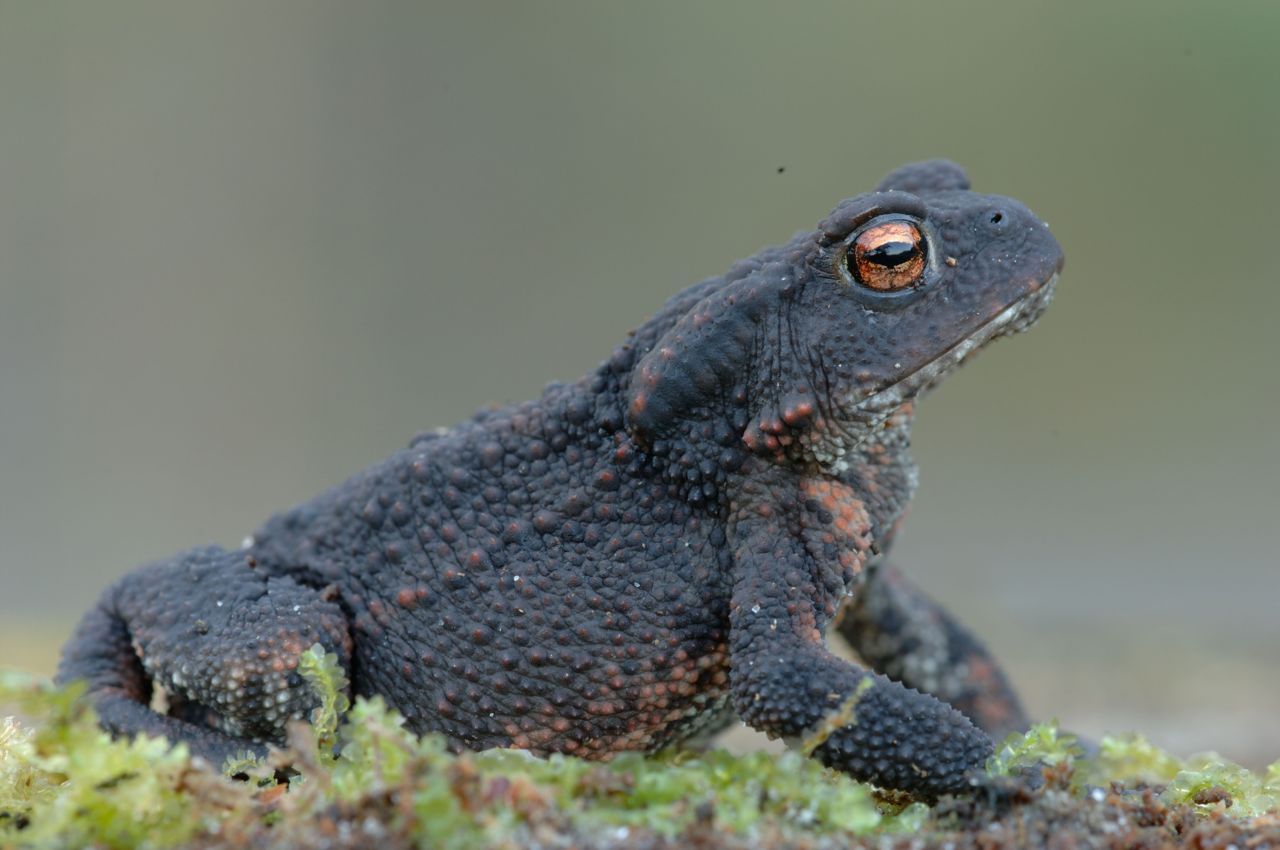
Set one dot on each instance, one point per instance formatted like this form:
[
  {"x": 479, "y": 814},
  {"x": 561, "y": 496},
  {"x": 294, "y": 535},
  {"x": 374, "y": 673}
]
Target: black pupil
[{"x": 891, "y": 254}]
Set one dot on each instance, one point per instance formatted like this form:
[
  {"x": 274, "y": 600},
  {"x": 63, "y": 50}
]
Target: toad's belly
[{"x": 588, "y": 701}]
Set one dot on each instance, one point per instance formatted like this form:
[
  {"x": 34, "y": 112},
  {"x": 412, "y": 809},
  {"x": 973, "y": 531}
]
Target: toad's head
[{"x": 807, "y": 348}]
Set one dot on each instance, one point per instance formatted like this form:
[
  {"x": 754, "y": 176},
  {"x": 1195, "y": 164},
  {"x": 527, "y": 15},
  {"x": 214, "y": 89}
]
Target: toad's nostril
[{"x": 997, "y": 217}]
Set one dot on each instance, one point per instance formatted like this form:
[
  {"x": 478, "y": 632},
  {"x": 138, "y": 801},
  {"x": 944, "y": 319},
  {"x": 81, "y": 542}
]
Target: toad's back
[{"x": 503, "y": 588}]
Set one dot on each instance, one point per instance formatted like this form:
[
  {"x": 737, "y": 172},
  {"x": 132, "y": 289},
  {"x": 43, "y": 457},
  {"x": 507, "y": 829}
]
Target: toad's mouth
[{"x": 1015, "y": 318}]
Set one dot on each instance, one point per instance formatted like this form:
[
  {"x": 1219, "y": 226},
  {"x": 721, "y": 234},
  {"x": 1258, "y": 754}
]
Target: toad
[{"x": 639, "y": 557}]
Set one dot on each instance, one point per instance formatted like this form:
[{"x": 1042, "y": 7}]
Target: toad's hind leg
[
  {"x": 220, "y": 637},
  {"x": 898, "y": 630}
]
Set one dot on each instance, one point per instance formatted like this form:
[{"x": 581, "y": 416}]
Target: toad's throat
[
  {"x": 1016, "y": 318},
  {"x": 859, "y": 418}
]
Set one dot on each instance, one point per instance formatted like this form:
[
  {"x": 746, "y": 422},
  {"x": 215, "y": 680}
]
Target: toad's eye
[{"x": 887, "y": 256}]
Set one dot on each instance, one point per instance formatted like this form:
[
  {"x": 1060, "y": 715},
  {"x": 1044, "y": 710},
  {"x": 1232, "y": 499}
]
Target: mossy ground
[{"x": 65, "y": 783}]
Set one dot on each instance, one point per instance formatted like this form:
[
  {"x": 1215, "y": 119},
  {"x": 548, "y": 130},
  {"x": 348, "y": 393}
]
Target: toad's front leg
[{"x": 793, "y": 564}]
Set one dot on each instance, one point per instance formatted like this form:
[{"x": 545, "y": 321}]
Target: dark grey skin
[{"x": 637, "y": 557}]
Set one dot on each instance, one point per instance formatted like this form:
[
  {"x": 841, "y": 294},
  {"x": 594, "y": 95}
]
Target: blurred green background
[{"x": 247, "y": 248}]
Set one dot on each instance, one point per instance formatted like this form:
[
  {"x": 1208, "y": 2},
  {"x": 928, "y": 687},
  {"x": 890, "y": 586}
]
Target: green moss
[
  {"x": 1127, "y": 758},
  {"x": 324, "y": 673},
  {"x": 63, "y": 782},
  {"x": 1200, "y": 780},
  {"x": 665, "y": 794},
  {"x": 22, "y": 783},
  {"x": 1196, "y": 781},
  {"x": 1043, "y": 743}
]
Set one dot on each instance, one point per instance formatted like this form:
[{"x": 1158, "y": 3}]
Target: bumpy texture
[{"x": 633, "y": 559}]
